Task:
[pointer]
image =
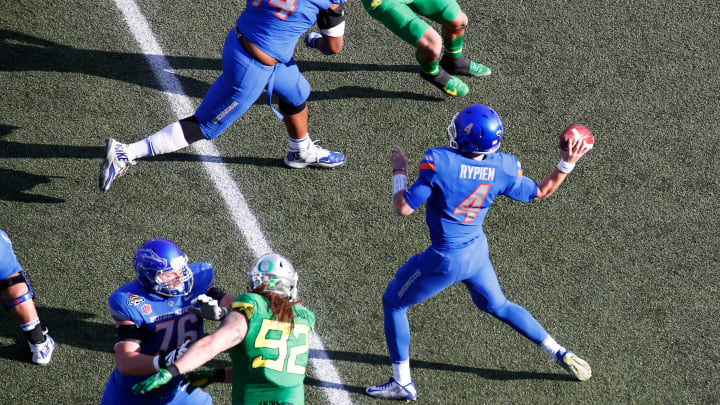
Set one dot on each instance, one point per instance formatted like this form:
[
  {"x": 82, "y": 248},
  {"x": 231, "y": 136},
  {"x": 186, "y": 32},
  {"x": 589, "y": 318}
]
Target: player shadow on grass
[
  {"x": 68, "y": 328},
  {"x": 16, "y": 184},
  {"x": 23, "y": 53},
  {"x": 486, "y": 373},
  {"x": 365, "y": 92},
  {"x": 13, "y": 182},
  {"x": 49, "y": 151}
]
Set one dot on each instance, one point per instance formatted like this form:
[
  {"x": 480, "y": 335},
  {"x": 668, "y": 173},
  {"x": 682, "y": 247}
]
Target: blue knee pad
[{"x": 21, "y": 278}]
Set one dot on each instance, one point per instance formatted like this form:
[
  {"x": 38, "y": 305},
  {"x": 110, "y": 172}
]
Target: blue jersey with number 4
[
  {"x": 275, "y": 26},
  {"x": 459, "y": 191}
]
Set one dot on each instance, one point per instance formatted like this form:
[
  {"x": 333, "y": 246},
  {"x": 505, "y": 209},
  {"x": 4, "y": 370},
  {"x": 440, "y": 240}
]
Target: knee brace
[
  {"x": 21, "y": 278},
  {"x": 191, "y": 129},
  {"x": 289, "y": 109},
  {"x": 332, "y": 22}
]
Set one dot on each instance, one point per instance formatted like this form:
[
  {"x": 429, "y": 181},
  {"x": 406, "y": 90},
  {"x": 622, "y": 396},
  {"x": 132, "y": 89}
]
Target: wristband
[
  {"x": 215, "y": 293},
  {"x": 156, "y": 363},
  {"x": 173, "y": 370},
  {"x": 220, "y": 375},
  {"x": 399, "y": 183},
  {"x": 565, "y": 167},
  {"x": 399, "y": 169}
]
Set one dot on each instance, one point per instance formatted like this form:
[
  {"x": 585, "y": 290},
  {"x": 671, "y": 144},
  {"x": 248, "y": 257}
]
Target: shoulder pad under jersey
[{"x": 203, "y": 275}]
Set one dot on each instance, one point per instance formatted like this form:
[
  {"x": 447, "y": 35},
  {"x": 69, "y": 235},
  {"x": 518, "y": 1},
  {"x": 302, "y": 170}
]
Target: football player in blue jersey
[
  {"x": 155, "y": 322},
  {"x": 257, "y": 56},
  {"x": 17, "y": 297},
  {"x": 459, "y": 184}
]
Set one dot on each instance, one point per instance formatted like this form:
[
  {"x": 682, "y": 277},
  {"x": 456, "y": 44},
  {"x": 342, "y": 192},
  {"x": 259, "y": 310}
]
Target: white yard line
[{"x": 246, "y": 222}]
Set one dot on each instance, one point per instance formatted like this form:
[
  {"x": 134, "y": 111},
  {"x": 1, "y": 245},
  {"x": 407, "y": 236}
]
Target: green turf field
[{"x": 620, "y": 265}]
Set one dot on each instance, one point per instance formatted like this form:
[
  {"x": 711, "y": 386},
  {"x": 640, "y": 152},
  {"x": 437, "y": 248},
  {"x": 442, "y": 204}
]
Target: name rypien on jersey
[{"x": 477, "y": 173}]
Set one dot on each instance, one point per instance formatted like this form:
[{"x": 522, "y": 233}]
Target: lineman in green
[
  {"x": 267, "y": 332},
  {"x": 269, "y": 365},
  {"x": 402, "y": 18}
]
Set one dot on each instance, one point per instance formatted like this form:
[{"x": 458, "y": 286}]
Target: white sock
[
  {"x": 551, "y": 346},
  {"x": 30, "y": 325},
  {"x": 401, "y": 372},
  {"x": 169, "y": 139},
  {"x": 139, "y": 149},
  {"x": 297, "y": 144}
]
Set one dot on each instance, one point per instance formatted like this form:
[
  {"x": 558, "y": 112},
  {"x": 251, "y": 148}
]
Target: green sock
[
  {"x": 453, "y": 47},
  {"x": 430, "y": 68}
]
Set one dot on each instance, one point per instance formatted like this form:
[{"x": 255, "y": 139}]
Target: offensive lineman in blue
[
  {"x": 257, "y": 56},
  {"x": 17, "y": 295},
  {"x": 459, "y": 184},
  {"x": 154, "y": 323}
]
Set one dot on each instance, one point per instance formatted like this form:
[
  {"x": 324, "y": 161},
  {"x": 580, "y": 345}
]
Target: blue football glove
[{"x": 311, "y": 38}]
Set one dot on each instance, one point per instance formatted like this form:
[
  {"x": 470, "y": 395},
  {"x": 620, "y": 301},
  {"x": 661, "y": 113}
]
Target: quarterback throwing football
[{"x": 459, "y": 184}]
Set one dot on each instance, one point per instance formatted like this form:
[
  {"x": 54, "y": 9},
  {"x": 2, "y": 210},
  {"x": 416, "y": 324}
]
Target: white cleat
[
  {"x": 577, "y": 367},
  {"x": 42, "y": 352},
  {"x": 315, "y": 156},
  {"x": 115, "y": 164},
  {"x": 393, "y": 390}
]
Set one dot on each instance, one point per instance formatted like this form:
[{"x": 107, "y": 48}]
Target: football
[{"x": 576, "y": 132}]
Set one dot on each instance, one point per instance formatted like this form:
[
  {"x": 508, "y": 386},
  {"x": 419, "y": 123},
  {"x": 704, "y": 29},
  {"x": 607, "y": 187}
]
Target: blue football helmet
[
  {"x": 476, "y": 129},
  {"x": 277, "y": 273},
  {"x": 154, "y": 260}
]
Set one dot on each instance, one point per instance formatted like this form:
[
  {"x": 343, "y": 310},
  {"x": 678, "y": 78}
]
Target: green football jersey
[{"x": 269, "y": 365}]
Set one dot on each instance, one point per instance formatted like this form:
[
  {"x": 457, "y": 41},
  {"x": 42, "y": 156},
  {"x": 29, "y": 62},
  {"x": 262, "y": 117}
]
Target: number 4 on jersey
[
  {"x": 473, "y": 203},
  {"x": 286, "y": 7}
]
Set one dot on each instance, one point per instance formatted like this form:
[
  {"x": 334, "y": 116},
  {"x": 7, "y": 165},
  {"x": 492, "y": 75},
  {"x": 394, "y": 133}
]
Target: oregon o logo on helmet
[{"x": 265, "y": 266}]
